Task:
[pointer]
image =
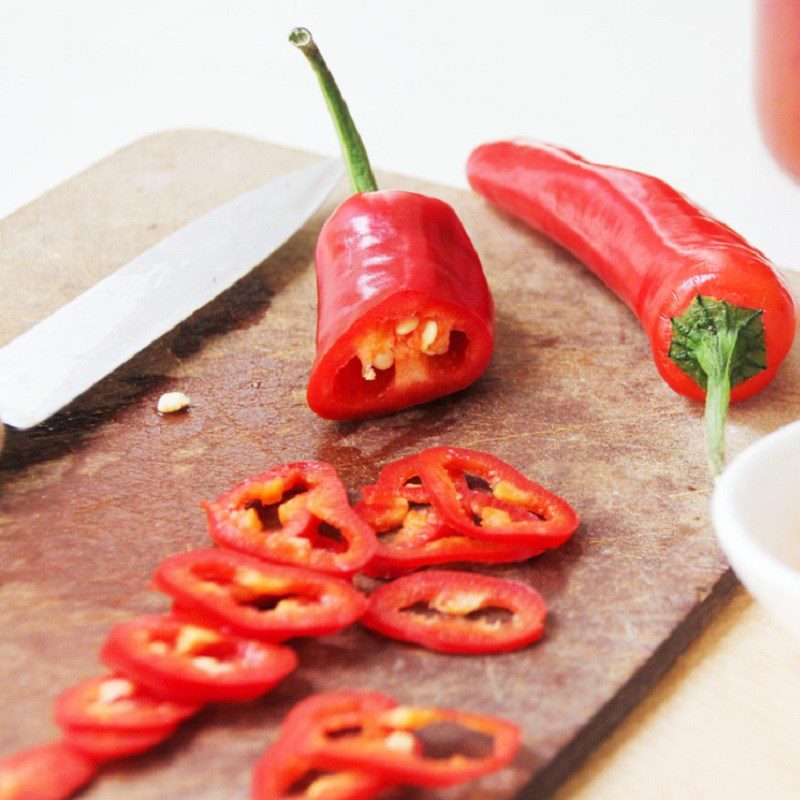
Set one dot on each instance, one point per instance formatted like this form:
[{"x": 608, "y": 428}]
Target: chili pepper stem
[
  {"x": 715, "y": 356},
  {"x": 353, "y": 150}
]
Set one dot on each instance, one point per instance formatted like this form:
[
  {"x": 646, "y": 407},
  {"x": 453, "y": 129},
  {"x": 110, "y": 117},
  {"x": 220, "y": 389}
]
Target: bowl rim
[{"x": 747, "y": 555}]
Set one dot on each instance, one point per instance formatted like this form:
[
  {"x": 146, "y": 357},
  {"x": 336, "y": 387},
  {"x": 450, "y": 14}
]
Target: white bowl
[{"x": 755, "y": 509}]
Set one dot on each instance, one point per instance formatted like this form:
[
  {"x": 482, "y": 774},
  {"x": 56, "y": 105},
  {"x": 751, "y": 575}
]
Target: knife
[{"x": 63, "y": 355}]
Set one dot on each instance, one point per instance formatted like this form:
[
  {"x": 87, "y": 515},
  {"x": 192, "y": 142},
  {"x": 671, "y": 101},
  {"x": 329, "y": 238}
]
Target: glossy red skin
[
  {"x": 326, "y": 501},
  {"x": 282, "y": 765},
  {"x": 391, "y": 255},
  {"x": 367, "y": 749},
  {"x": 432, "y": 545},
  {"x": 330, "y": 604},
  {"x": 647, "y": 242},
  {"x": 78, "y": 708},
  {"x": 112, "y": 744},
  {"x": 451, "y": 632},
  {"x": 257, "y": 666},
  {"x": 443, "y": 471},
  {"x": 49, "y": 772}
]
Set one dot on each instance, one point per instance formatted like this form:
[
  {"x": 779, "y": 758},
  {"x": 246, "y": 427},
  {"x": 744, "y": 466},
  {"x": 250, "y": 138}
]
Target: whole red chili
[
  {"x": 439, "y": 609},
  {"x": 719, "y": 317},
  {"x": 404, "y": 313}
]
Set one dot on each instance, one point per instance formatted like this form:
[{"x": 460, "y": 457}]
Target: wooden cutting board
[{"x": 92, "y": 500}]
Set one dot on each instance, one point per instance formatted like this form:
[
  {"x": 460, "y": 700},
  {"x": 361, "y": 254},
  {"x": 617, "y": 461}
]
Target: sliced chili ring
[
  {"x": 283, "y": 773},
  {"x": 490, "y": 515},
  {"x": 110, "y": 744},
  {"x": 298, "y": 535},
  {"x": 258, "y": 599},
  {"x": 457, "y": 612},
  {"x": 387, "y": 743},
  {"x": 48, "y": 772},
  {"x": 116, "y": 703},
  {"x": 187, "y": 662},
  {"x": 417, "y": 536}
]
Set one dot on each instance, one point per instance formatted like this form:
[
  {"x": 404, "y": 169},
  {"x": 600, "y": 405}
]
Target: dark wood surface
[{"x": 92, "y": 500}]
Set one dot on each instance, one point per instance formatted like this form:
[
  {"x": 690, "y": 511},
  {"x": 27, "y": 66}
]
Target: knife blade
[{"x": 63, "y": 355}]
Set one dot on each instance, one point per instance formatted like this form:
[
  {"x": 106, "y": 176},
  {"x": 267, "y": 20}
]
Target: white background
[{"x": 658, "y": 85}]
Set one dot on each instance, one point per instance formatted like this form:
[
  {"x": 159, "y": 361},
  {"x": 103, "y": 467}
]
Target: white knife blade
[{"x": 63, "y": 355}]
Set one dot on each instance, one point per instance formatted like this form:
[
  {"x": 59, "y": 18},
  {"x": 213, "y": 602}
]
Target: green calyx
[
  {"x": 718, "y": 345},
  {"x": 353, "y": 150}
]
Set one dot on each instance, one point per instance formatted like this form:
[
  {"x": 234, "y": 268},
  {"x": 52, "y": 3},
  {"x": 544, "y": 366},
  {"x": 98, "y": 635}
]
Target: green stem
[
  {"x": 718, "y": 345},
  {"x": 353, "y": 150},
  {"x": 714, "y": 355}
]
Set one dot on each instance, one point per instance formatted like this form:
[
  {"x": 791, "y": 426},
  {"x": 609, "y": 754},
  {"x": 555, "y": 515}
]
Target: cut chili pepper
[
  {"x": 404, "y": 313},
  {"x": 457, "y": 612},
  {"x": 490, "y": 513},
  {"x": 111, "y": 744},
  {"x": 187, "y": 662},
  {"x": 283, "y": 773},
  {"x": 719, "y": 317},
  {"x": 411, "y": 533},
  {"x": 387, "y": 743},
  {"x": 256, "y": 599},
  {"x": 309, "y": 502},
  {"x": 115, "y": 703},
  {"x": 50, "y": 772}
]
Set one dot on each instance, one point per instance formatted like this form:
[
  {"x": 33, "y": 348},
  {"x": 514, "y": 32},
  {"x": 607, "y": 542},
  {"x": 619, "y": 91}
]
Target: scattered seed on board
[{"x": 170, "y": 402}]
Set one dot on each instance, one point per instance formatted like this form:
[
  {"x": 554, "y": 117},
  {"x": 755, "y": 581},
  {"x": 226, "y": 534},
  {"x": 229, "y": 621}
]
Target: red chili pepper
[
  {"x": 185, "y": 662},
  {"x": 314, "y": 528},
  {"x": 547, "y": 521},
  {"x": 257, "y": 599},
  {"x": 50, "y": 772},
  {"x": 110, "y": 744},
  {"x": 404, "y": 313},
  {"x": 438, "y": 609},
  {"x": 283, "y": 768},
  {"x": 386, "y": 743},
  {"x": 115, "y": 703},
  {"x": 719, "y": 317},
  {"x": 417, "y": 537}
]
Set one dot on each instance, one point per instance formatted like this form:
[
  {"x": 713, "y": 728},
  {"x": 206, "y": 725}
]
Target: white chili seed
[
  {"x": 383, "y": 360},
  {"x": 406, "y": 326},
  {"x": 429, "y": 332},
  {"x": 170, "y": 402}
]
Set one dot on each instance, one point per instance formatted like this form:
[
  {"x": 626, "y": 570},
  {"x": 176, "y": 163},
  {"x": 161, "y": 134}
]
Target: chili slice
[
  {"x": 414, "y": 535},
  {"x": 115, "y": 703},
  {"x": 444, "y": 611},
  {"x": 257, "y": 599},
  {"x": 111, "y": 744},
  {"x": 238, "y": 519},
  {"x": 386, "y": 743},
  {"x": 491, "y": 515},
  {"x": 284, "y": 773},
  {"x": 49, "y": 772},
  {"x": 187, "y": 662}
]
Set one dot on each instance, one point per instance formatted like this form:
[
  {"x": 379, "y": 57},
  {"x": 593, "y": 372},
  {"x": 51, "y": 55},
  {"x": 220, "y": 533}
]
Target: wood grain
[{"x": 92, "y": 500}]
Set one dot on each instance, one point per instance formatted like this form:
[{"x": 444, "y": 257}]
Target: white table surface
[{"x": 659, "y": 85}]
